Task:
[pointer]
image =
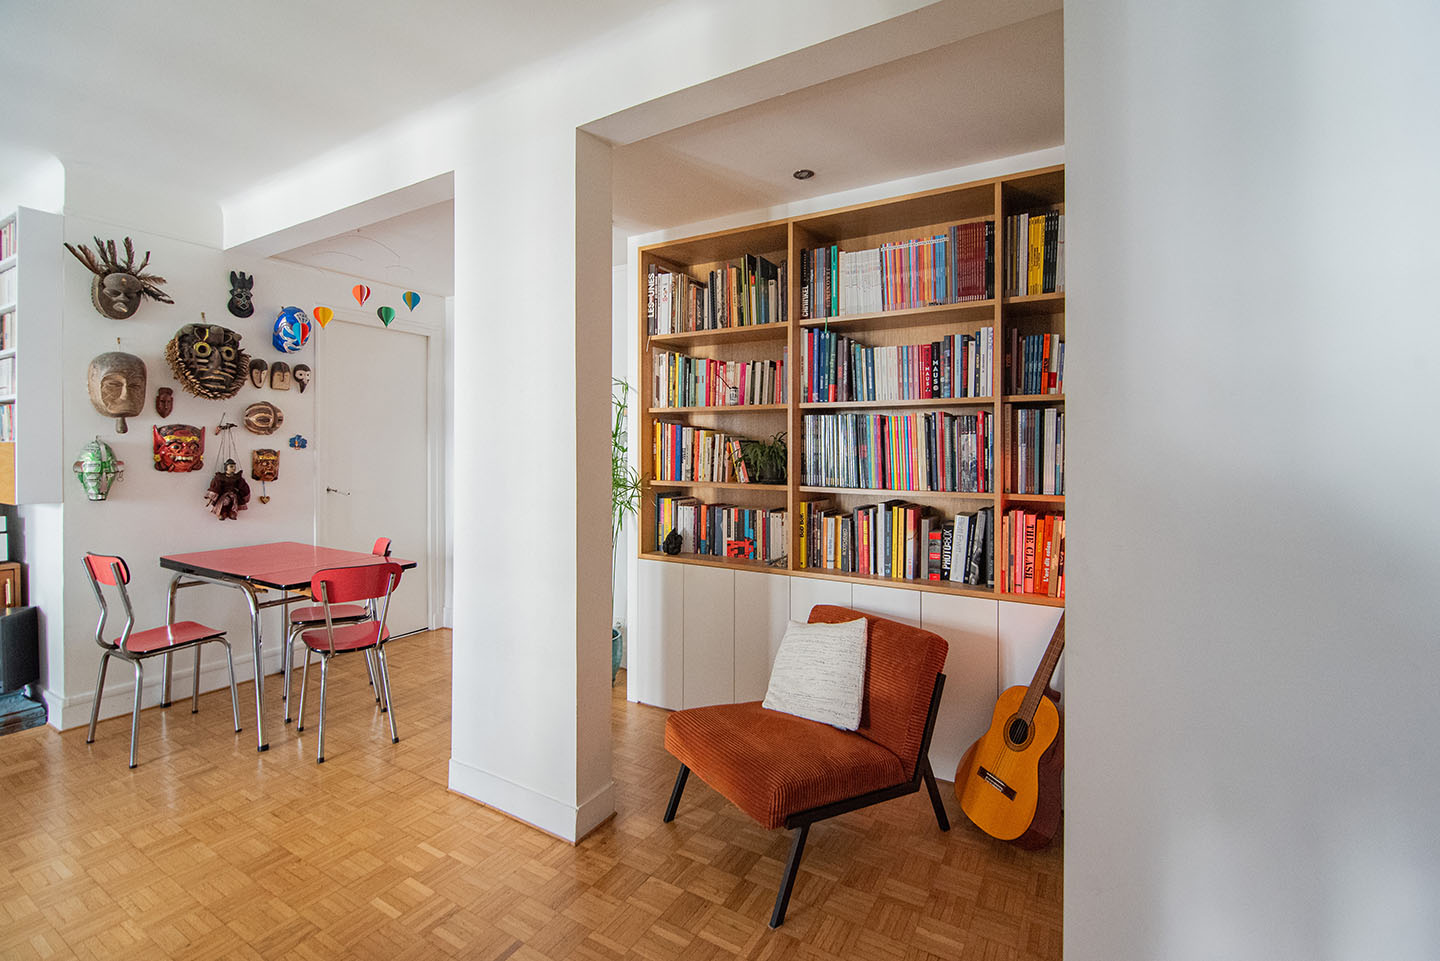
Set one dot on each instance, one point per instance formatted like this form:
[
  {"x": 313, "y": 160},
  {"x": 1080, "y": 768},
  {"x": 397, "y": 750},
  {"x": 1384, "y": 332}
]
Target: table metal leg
[{"x": 260, "y": 743}]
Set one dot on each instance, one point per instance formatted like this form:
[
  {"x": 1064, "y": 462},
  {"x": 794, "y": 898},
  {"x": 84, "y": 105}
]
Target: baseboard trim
[
  {"x": 66, "y": 713},
  {"x": 567, "y": 822}
]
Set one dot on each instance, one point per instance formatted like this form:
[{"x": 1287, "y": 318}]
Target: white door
[{"x": 371, "y": 452}]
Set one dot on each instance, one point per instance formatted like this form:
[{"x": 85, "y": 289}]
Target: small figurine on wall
[
  {"x": 241, "y": 303},
  {"x": 265, "y": 467},
  {"x": 302, "y": 376},
  {"x": 279, "y": 375},
  {"x": 98, "y": 469},
  {"x": 292, "y": 330},
  {"x": 164, "y": 401},
  {"x": 117, "y": 386},
  {"x": 298, "y": 443},
  {"x": 228, "y": 493},
  {"x": 179, "y": 448},
  {"x": 117, "y": 288},
  {"x": 207, "y": 360},
  {"x": 263, "y": 418},
  {"x": 259, "y": 372}
]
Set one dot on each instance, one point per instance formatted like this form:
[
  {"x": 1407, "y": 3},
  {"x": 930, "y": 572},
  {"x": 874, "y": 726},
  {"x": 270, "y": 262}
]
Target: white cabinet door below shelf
[
  {"x": 656, "y": 670},
  {"x": 709, "y": 629},
  {"x": 762, "y": 610}
]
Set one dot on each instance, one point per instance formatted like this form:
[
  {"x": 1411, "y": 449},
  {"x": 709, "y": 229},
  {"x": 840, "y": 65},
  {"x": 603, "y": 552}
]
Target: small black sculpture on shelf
[{"x": 671, "y": 543}]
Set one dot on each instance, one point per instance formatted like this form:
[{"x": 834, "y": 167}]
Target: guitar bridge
[{"x": 996, "y": 783}]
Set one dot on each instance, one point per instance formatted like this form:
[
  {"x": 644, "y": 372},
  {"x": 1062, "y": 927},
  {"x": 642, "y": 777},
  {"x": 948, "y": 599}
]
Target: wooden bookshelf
[
  {"x": 30, "y": 298},
  {"x": 1012, "y": 315}
]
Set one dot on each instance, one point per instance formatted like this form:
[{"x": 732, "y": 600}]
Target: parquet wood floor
[{"x": 210, "y": 850}]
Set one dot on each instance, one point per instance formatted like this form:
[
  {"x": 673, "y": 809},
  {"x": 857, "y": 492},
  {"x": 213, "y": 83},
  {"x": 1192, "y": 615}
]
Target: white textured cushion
[{"x": 819, "y": 673}]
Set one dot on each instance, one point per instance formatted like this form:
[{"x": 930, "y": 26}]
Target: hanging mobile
[{"x": 228, "y": 494}]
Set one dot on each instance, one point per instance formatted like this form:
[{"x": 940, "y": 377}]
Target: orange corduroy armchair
[{"x": 786, "y": 771}]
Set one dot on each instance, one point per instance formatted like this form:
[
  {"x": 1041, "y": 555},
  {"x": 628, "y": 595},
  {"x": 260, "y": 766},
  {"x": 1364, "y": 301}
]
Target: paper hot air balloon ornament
[
  {"x": 411, "y": 299},
  {"x": 292, "y": 330},
  {"x": 322, "y": 315},
  {"x": 361, "y": 292},
  {"x": 386, "y": 314}
]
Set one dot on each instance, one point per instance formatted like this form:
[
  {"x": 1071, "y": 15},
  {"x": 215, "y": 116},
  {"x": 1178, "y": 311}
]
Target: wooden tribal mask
[
  {"x": 263, "y": 418},
  {"x": 207, "y": 360},
  {"x": 265, "y": 464},
  {"x": 179, "y": 448},
  {"x": 117, "y": 386},
  {"x": 118, "y": 287}
]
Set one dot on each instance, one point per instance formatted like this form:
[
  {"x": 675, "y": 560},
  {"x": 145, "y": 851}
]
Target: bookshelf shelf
[
  {"x": 877, "y": 494},
  {"x": 716, "y": 485},
  {"x": 725, "y": 335},
  {"x": 719, "y": 408},
  {"x": 927, "y": 403},
  {"x": 970, "y": 254}
]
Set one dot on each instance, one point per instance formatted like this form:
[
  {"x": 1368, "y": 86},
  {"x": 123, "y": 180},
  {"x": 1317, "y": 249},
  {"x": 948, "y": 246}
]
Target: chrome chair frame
[
  {"x": 382, "y": 677},
  {"x": 118, "y": 649}
]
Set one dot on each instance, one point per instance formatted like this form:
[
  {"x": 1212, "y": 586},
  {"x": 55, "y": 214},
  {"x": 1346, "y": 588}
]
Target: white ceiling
[{"x": 278, "y": 81}]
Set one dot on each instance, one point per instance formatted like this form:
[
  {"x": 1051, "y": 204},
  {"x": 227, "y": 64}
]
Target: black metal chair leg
[
  {"x": 935, "y": 797},
  {"x": 782, "y": 900},
  {"x": 675, "y": 793}
]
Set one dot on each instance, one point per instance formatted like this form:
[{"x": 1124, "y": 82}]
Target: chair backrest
[
  {"x": 901, "y": 665},
  {"x": 112, "y": 571},
  {"x": 364, "y": 582},
  {"x": 382, "y": 547}
]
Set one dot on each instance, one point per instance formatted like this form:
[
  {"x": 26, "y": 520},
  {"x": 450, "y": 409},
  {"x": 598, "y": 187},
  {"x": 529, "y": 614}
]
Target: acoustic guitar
[{"x": 1008, "y": 782}]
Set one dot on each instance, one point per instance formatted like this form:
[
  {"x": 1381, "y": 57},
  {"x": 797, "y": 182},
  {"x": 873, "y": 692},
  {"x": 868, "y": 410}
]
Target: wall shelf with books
[
  {"x": 919, "y": 340},
  {"x": 30, "y": 305}
]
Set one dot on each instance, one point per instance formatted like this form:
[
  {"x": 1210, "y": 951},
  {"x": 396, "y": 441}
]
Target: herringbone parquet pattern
[{"x": 210, "y": 850}]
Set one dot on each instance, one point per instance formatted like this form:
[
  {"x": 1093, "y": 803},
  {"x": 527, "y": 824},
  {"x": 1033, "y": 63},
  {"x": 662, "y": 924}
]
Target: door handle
[{"x": 336, "y": 490}]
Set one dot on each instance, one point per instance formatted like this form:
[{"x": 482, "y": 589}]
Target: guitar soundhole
[{"x": 1017, "y": 732}]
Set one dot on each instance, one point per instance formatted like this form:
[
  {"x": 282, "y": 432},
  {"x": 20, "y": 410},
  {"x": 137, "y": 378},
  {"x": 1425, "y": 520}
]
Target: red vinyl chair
[
  {"x": 303, "y": 618},
  {"x": 134, "y": 646},
  {"x": 371, "y": 585}
]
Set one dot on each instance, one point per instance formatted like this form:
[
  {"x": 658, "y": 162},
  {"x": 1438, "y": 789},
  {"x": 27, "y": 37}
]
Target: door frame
[{"x": 435, "y": 447}]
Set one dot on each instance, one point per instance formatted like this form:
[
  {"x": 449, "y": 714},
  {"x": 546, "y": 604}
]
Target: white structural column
[{"x": 532, "y": 328}]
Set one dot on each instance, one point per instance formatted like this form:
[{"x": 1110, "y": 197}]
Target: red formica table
[{"x": 284, "y": 566}]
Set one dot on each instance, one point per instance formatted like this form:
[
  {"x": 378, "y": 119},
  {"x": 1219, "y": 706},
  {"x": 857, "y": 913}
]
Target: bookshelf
[
  {"x": 925, "y": 370},
  {"x": 30, "y": 300}
]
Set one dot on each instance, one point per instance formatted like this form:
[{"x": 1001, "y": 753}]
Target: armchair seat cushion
[{"x": 772, "y": 765}]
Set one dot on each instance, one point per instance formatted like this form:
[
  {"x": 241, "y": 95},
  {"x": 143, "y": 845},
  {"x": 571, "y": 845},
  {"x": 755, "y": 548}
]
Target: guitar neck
[{"x": 1044, "y": 672}]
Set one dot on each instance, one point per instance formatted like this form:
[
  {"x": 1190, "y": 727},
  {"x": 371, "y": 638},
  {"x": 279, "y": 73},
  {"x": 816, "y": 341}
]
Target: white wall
[
  {"x": 1251, "y": 771},
  {"x": 150, "y": 513}
]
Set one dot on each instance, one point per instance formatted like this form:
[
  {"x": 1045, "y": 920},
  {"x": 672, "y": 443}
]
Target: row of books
[
  {"x": 7, "y": 330},
  {"x": 7, "y": 286},
  {"x": 1034, "y": 549},
  {"x": 1036, "y": 364},
  {"x": 899, "y": 541},
  {"x": 1036, "y": 255},
  {"x": 1037, "y": 442},
  {"x": 724, "y": 530},
  {"x": 9, "y": 242},
  {"x": 839, "y": 368},
  {"x": 7, "y": 375},
  {"x": 918, "y": 451},
  {"x": 685, "y": 453},
  {"x": 7, "y": 423},
  {"x": 948, "y": 268},
  {"x": 743, "y": 293},
  {"x": 684, "y": 381}
]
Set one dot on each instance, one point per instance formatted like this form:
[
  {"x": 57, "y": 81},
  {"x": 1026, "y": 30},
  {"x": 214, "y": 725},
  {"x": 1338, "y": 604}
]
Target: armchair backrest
[{"x": 901, "y": 665}]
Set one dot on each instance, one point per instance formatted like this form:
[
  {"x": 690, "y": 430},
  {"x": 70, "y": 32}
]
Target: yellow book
[{"x": 1035, "y": 281}]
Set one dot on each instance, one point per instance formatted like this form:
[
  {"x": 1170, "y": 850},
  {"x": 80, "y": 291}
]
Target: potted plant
[
  {"x": 624, "y": 496},
  {"x": 765, "y": 459}
]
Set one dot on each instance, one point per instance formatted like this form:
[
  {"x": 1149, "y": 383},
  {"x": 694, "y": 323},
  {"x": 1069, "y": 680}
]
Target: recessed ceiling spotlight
[{"x": 803, "y": 174}]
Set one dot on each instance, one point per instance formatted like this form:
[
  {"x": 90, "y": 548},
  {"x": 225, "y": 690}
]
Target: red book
[{"x": 1042, "y": 554}]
